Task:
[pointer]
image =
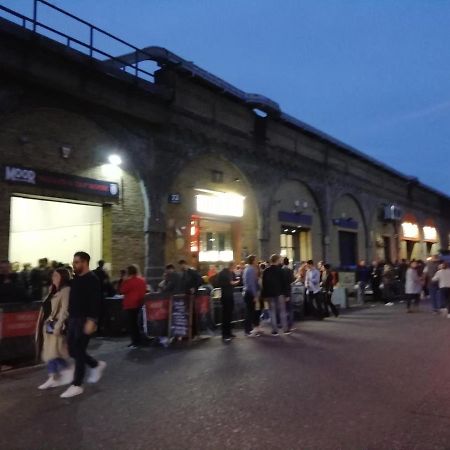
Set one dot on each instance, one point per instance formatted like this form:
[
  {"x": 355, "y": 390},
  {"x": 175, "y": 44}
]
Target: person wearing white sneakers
[
  {"x": 442, "y": 276},
  {"x": 84, "y": 304},
  {"x": 53, "y": 327}
]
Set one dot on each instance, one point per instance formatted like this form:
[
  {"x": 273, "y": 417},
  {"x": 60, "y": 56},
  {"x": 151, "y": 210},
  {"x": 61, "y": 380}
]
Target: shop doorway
[
  {"x": 295, "y": 243},
  {"x": 348, "y": 248},
  {"x": 54, "y": 230}
]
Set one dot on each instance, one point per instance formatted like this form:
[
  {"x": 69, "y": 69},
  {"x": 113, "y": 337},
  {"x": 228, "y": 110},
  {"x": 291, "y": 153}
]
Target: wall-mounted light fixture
[
  {"x": 115, "y": 160},
  {"x": 66, "y": 151}
]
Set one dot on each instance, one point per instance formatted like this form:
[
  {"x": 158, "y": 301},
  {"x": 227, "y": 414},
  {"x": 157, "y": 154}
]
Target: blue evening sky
[{"x": 374, "y": 74}]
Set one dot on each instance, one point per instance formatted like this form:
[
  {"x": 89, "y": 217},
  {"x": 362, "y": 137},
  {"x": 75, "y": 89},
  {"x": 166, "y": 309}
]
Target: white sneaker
[
  {"x": 96, "y": 373},
  {"x": 72, "y": 391},
  {"x": 66, "y": 376},
  {"x": 389, "y": 304},
  {"x": 50, "y": 383},
  {"x": 448, "y": 316}
]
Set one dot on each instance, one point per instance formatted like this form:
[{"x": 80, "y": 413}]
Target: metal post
[
  {"x": 137, "y": 63},
  {"x": 35, "y": 2},
  {"x": 91, "y": 41}
]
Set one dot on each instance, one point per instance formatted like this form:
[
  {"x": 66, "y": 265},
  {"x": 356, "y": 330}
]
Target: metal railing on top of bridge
[{"x": 34, "y": 25}]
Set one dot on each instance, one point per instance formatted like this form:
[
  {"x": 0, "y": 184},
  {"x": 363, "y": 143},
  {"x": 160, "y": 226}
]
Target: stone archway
[
  {"x": 296, "y": 228},
  {"x": 348, "y": 232},
  {"x": 34, "y": 137},
  {"x": 203, "y": 223}
]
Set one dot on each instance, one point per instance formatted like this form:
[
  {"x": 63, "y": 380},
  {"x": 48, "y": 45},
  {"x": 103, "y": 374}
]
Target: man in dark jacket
[
  {"x": 84, "y": 304},
  {"x": 226, "y": 281},
  {"x": 190, "y": 278},
  {"x": 273, "y": 283},
  {"x": 375, "y": 280},
  {"x": 172, "y": 281}
]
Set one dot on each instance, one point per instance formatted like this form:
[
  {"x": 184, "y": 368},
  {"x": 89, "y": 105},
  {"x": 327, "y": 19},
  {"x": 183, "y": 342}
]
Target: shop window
[
  {"x": 286, "y": 246},
  {"x": 215, "y": 241}
]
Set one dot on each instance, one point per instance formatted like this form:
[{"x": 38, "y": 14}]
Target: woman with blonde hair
[{"x": 53, "y": 325}]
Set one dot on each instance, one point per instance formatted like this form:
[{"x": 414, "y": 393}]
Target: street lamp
[{"x": 115, "y": 160}]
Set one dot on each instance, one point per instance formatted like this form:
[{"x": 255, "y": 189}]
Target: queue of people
[{"x": 72, "y": 308}]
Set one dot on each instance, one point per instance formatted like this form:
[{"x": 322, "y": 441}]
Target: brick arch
[
  {"x": 35, "y": 135},
  {"x": 198, "y": 173},
  {"x": 362, "y": 248}
]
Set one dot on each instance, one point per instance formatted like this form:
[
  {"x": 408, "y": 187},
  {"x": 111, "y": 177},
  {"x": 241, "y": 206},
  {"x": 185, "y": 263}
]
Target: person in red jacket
[{"x": 133, "y": 289}]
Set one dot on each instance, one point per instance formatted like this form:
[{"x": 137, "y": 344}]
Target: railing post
[
  {"x": 34, "y": 14},
  {"x": 91, "y": 41},
  {"x": 136, "y": 69}
]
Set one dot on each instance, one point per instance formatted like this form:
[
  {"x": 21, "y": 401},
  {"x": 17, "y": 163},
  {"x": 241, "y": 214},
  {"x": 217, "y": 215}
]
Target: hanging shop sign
[
  {"x": 292, "y": 217},
  {"x": 60, "y": 181}
]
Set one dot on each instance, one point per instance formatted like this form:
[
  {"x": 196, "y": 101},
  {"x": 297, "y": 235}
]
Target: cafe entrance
[{"x": 53, "y": 229}]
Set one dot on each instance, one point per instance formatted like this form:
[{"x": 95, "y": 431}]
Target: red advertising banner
[
  {"x": 157, "y": 309},
  {"x": 202, "y": 304},
  {"x": 16, "y": 324}
]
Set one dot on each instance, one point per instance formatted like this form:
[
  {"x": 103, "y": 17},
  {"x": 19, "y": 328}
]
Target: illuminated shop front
[
  {"x": 72, "y": 215},
  {"x": 215, "y": 228},
  {"x": 295, "y": 223},
  {"x": 295, "y": 241},
  {"x": 410, "y": 244},
  {"x": 431, "y": 239},
  {"x": 211, "y": 215}
]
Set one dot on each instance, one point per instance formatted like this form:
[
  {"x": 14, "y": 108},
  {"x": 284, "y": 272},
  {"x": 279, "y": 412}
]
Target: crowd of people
[
  {"x": 407, "y": 281},
  {"x": 73, "y": 297}
]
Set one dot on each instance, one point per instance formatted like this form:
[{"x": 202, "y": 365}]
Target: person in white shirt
[
  {"x": 442, "y": 277},
  {"x": 312, "y": 284},
  {"x": 413, "y": 286}
]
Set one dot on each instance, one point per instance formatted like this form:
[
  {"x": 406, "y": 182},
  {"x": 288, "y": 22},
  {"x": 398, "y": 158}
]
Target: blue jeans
[
  {"x": 278, "y": 304},
  {"x": 55, "y": 366},
  {"x": 433, "y": 290},
  {"x": 289, "y": 312}
]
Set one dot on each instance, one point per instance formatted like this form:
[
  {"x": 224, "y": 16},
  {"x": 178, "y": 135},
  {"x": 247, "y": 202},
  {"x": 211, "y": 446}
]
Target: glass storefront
[
  {"x": 215, "y": 241},
  {"x": 295, "y": 243}
]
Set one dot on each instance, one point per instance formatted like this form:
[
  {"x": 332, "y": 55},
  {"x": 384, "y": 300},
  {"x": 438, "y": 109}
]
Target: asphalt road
[{"x": 375, "y": 378}]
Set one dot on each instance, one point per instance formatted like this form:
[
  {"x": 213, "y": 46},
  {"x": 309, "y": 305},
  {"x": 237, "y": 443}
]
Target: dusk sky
[{"x": 373, "y": 74}]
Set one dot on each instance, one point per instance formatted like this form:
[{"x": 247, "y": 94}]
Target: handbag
[{"x": 51, "y": 323}]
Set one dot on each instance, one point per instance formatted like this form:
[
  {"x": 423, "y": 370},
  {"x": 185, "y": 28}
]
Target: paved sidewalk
[{"x": 376, "y": 378}]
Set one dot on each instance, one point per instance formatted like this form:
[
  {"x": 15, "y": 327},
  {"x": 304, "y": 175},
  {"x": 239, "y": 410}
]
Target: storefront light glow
[
  {"x": 430, "y": 234},
  {"x": 111, "y": 171},
  {"x": 221, "y": 204},
  {"x": 214, "y": 255},
  {"x": 410, "y": 230}
]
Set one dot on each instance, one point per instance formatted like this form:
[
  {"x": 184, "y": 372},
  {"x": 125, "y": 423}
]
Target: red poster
[
  {"x": 157, "y": 309},
  {"x": 15, "y": 324},
  {"x": 202, "y": 304}
]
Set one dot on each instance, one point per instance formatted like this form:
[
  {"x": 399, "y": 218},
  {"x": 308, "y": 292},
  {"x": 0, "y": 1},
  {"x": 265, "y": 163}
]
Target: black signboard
[
  {"x": 61, "y": 181},
  {"x": 181, "y": 316}
]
